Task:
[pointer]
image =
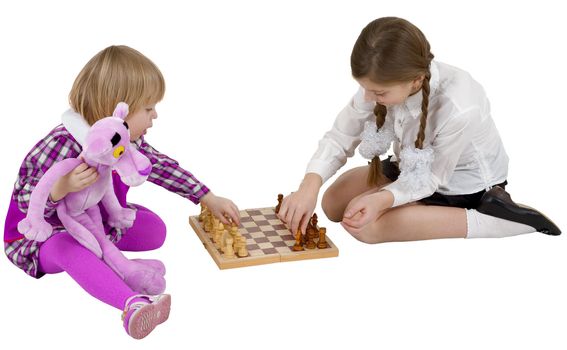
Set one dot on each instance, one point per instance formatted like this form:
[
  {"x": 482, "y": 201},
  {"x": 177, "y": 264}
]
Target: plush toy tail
[{"x": 34, "y": 225}]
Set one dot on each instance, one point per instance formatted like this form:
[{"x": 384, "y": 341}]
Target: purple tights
[{"x": 61, "y": 252}]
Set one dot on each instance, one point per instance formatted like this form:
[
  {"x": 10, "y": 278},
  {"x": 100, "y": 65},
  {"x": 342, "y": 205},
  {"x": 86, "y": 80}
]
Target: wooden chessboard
[{"x": 268, "y": 240}]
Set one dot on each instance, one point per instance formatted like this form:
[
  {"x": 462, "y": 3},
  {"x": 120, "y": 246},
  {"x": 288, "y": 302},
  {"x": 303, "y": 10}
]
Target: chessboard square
[
  {"x": 288, "y": 237},
  {"x": 279, "y": 227},
  {"x": 245, "y": 219},
  {"x": 257, "y": 218},
  {"x": 271, "y": 233},
  {"x": 252, "y": 247},
  {"x": 271, "y": 217},
  {"x": 256, "y": 235},
  {"x": 252, "y": 229},
  {"x": 265, "y": 245},
  {"x": 256, "y": 252},
  {"x": 270, "y": 251},
  {"x": 279, "y": 244},
  {"x": 262, "y": 222},
  {"x": 274, "y": 238},
  {"x": 253, "y": 212},
  {"x": 284, "y": 249},
  {"x": 274, "y": 222},
  {"x": 247, "y": 224},
  {"x": 261, "y": 240},
  {"x": 267, "y": 211},
  {"x": 266, "y": 228},
  {"x": 284, "y": 232}
]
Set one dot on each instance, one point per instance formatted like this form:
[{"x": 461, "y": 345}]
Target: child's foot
[
  {"x": 497, "y": 202},
  {"x": 144, "y": 279},
  {"x": 143, "y": 313},
  {"x": 155, "y": 264}
]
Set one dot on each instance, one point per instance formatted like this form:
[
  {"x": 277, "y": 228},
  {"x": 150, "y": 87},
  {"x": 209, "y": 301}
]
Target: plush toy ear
[{"x": 121, "y": 110}]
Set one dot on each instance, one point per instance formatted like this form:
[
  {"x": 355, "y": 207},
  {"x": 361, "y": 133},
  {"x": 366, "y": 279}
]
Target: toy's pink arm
[
  {"x": 109, "y": 199},
  {"x": 34, "y": 225},
  {"x": 118, "y": 216}
]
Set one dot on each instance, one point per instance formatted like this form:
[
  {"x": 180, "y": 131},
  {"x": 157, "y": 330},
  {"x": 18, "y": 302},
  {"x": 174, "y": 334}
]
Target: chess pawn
[
  {"x": 242, "y": 250},
  {"x": 280, "y": 198},
  {"x": 310, "y": 243},
  {"x": 228, "y": 248},
  {"x": 322, "y": 239},
  {"x": 217, "y": 238},
  {"x": 297, "y": 246}
]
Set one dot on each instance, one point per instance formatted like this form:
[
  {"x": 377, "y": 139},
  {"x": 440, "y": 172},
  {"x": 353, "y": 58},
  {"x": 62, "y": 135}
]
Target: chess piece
[
  {"x": 322, "y": 239},
  {"x": 298, "y": 246},
  {"x": 242, "y": 250},
  {"x": 228, "y": 248},
  {"x": 280, "y": 198},
  {"x": 218, "y": 233},
  {"x": 202, "y": 213},
  {"x": 314, "y": 221},
  {"x": 208, "y": 226},
  {"x": 310, "y": 243},
  {"x": 234, "y": 230}
]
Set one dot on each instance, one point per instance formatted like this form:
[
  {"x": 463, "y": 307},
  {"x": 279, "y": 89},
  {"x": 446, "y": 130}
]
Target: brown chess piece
[
  {"x": 310, "y": 243},
  {"x": 297, "y": 246},
  {"x": 314, "y": 221},
  {"x": 280, "y": 198},
  {"x": 322, "y": 239}
]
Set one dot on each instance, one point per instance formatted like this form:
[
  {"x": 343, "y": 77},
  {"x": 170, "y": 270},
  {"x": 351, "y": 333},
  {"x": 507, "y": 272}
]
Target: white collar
[
  {"x": 413, "y": 103},
  {"x": 76, "y": 125}
]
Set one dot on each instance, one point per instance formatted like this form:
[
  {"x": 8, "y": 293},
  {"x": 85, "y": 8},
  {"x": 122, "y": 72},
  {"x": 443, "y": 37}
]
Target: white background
[{"x": 251, "y": 87}]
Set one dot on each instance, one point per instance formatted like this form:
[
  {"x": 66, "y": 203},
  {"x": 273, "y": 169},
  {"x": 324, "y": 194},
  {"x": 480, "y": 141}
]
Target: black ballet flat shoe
[{"x": 497, "y": 202}]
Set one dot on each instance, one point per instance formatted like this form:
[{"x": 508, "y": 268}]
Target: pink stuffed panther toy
[{"x": 107, "y": 147}]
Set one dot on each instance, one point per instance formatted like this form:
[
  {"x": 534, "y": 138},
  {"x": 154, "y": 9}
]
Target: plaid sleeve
[
  {"x": 167, "y": 173},
  {"x": 43, "y": 155}
]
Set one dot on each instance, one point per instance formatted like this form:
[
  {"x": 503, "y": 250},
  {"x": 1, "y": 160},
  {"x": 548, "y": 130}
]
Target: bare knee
[
  {"x": 330, "y": 207},
  {"x": 371, "y": 234}
]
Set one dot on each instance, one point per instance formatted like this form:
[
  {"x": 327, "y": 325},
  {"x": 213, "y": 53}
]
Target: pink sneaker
[{"x": 141, "y": 316}]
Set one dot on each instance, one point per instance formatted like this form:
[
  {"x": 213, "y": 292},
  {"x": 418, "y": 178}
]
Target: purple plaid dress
[{"x": 56, "y": 146}]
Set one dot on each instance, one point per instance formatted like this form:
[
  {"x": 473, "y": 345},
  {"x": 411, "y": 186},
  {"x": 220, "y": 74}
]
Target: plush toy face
[
  {"x": 108, "y": 143},
  {"x": 108, "y": 138}
]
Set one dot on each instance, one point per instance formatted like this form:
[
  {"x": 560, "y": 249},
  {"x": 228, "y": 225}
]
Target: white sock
[{"x": 480, "y": 225}]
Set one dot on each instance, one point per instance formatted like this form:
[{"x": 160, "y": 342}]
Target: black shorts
[{"x": 469, "y": 201}]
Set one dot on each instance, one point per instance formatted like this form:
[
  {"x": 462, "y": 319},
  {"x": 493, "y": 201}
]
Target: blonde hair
[
  {"x": 392, "y": 50},
  {"x": 116, "y": 74}
]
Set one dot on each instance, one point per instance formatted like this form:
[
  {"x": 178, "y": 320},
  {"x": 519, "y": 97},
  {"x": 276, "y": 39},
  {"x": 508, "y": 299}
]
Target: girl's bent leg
[
  {"x": 349, "y": 185},
  {"x": 147, "y": 233},
  {"x": 415, "y": 221},
  {"x": 62, "y": 252}
]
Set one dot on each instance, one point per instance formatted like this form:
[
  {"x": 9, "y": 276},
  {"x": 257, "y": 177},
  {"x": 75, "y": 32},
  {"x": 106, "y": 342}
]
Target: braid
[
  {"x": 375, "y": 175},
  {"x": 424, "y": 108}
]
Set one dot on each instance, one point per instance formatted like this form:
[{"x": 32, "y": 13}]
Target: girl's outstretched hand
[
  {"x": 222, "y": 208},
  {"x": 297, "y": 207}
]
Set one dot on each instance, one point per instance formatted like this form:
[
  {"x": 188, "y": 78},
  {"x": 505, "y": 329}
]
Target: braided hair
[{"x": 392, "y": 50}]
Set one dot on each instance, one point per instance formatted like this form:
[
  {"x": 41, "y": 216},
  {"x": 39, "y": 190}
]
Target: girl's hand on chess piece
[
  {"x": 364, "y": 210},
  {"x": 297, "y": 207},
  {"x": 222, "y": 208}
]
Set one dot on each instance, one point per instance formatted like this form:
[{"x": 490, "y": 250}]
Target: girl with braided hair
[{"x": 449, "y": 169}]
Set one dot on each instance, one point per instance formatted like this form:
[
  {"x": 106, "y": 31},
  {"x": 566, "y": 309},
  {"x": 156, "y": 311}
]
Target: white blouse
[{"x": 468, "y": 153}]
